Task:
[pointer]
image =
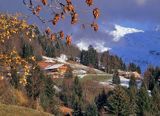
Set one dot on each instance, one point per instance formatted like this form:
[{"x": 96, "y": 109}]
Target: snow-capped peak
[{"x": 120, "y": 32}]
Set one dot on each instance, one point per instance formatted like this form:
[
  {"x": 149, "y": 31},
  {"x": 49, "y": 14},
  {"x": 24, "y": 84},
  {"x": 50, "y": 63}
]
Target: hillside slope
[{"x": 11, "y": 110}]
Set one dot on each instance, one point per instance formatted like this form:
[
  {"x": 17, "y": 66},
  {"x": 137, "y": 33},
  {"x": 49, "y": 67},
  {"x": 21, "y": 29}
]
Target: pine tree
[
  {"x": 77, "y": 98},
  {"x": 92, "y": 110},
  {"x": 101, "y": 100},
  {"x": 35, "y": 83},
  {"x": 144, "y": 100},
  {"x": 156, "y": 99},
  {"x": 118, "y": 102},
  {"x": 133, "y": 96},
  {"x": 132, "y": 82},
  {"x": 27, "y": 50},
  {"x": 15, "y": 78},
  {"x": 77, "y": 89},
  {"x": 47, "y": 97},
  {"x": 116, "y": 79},
  {"x": 49, "y": 88}
]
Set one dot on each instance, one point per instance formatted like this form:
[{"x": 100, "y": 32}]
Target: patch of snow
[
  {"x": 120, "y": 32},
  {"x": 63, "y": 58},
  {"x": 57, "y": 88},
  {"x": 124, "y": 81},
  {"x": 81, "y": 76}
]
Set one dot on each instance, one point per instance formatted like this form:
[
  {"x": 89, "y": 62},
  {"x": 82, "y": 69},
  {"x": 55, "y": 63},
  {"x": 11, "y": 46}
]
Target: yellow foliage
[
  {"x": 11, "y": 25},
  {"x": 14, "y": 61}
]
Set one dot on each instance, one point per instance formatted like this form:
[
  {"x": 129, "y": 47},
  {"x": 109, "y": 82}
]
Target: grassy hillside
[{"x": 11, "y": 110}]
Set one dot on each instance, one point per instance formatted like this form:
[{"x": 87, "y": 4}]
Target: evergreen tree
[
  {"x": 156, "y": 99},
  {"x": 92, "y": 57},
  {"x": 15, "y": 78},
  {"x": 49, "y": 88},
  {"x": 47, "y": 97},
  {"x": 77, "y": 89},
  {"x": 151, "y": 82},
  {"x": 144, "y": 100},
  {"x": 92, "y": 110},
  {"x": 132, "y": 82},
  {"x": 116, "y": 79},
  {"x": 77, "y": 98},
  {"x": 27, "y": 50},
  {"x": 84, "y": 58},
  {"x": 101, "y": 100},
  {"x": 118, "y": 102},
  {"x": 50, "y": 51},
  {"x": 35, "y": 83},
  {"x": 133, "y": 96}
]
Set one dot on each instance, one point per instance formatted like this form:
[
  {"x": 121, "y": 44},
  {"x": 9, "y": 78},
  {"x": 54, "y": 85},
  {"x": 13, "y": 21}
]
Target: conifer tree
[
  {"x": 132, "y": 82},
  {"x": 144, "y": 100},
  {"x": 92, "y": 110},
  {"x": 133, "y": 96},
  {"x": 118, "y": 102},
  {"x": 116, "y": 79},
  {"x": 27, "y": 50},
  {"x": 156, "y": 99},
  {"x": 77, "y": 97}
]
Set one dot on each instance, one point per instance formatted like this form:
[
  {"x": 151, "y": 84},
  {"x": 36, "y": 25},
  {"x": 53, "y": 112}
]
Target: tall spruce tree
[
  {"x": 77, "y": 98},
  {"x": 91, "y": 110},
  {"x": 156, "y": 99},
  {"x": 133, "y": 96},
  {"x": 27, "y": 50},
  {"x": 144, "y": 100},
  {"x": 116, "y": 79},
  {"x": 101, "y": 100},
  {"x": 119, "y": 102},
  {"x": 132, "y": 82}
]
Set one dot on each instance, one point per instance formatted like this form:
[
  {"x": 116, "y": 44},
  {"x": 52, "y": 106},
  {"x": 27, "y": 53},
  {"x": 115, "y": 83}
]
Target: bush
[{"x": 9, "y": 95}]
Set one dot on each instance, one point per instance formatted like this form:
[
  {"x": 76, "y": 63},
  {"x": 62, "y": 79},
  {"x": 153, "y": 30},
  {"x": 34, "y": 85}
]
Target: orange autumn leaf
[
  {"x": 96, "y": 13},
  {"x": 61, "y": 33},
  {"x": 94, "y": 26},
  {"x": 74, "y": 18},
  {"x": 68, "y": 1},
  {"x": 53, "y": 37},
  {"x": 56, "y": 19},
  {"x": 38, "y": 9},
  {"x": 70, "y": 8},
  {"x": 68, "y": 40},
  {"x": 48, "y": 31},
  {"x": 44, "y": 2},
  {"x": 89, "y": 2}
]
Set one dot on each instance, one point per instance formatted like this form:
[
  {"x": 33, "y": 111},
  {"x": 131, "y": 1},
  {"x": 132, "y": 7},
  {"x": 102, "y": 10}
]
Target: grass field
[
  {"x": 11, "y": 110},
  {"x": 96, "y": 77}
]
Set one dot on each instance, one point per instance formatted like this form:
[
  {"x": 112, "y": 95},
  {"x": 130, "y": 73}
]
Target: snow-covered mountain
[
  {"x": 133, "y": 45},
  {"x": 140, "y": 48}
]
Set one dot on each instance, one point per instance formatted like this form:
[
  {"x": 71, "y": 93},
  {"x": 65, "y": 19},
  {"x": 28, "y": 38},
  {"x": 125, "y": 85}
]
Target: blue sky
[{"x": 140, "y": 14}]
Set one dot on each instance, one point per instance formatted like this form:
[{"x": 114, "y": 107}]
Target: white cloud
[
  {"x": 99, "y": 46},
  {"x": 120, "y": 32},
  {"x": 83, "y": 45}
]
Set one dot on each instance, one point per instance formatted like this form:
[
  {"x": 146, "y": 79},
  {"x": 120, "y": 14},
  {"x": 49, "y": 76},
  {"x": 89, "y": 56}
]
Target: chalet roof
[
  {"x": 43, "y": 64},
  {"x": 64, "y": 109},
  {"x": 55, "y": 66}
]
